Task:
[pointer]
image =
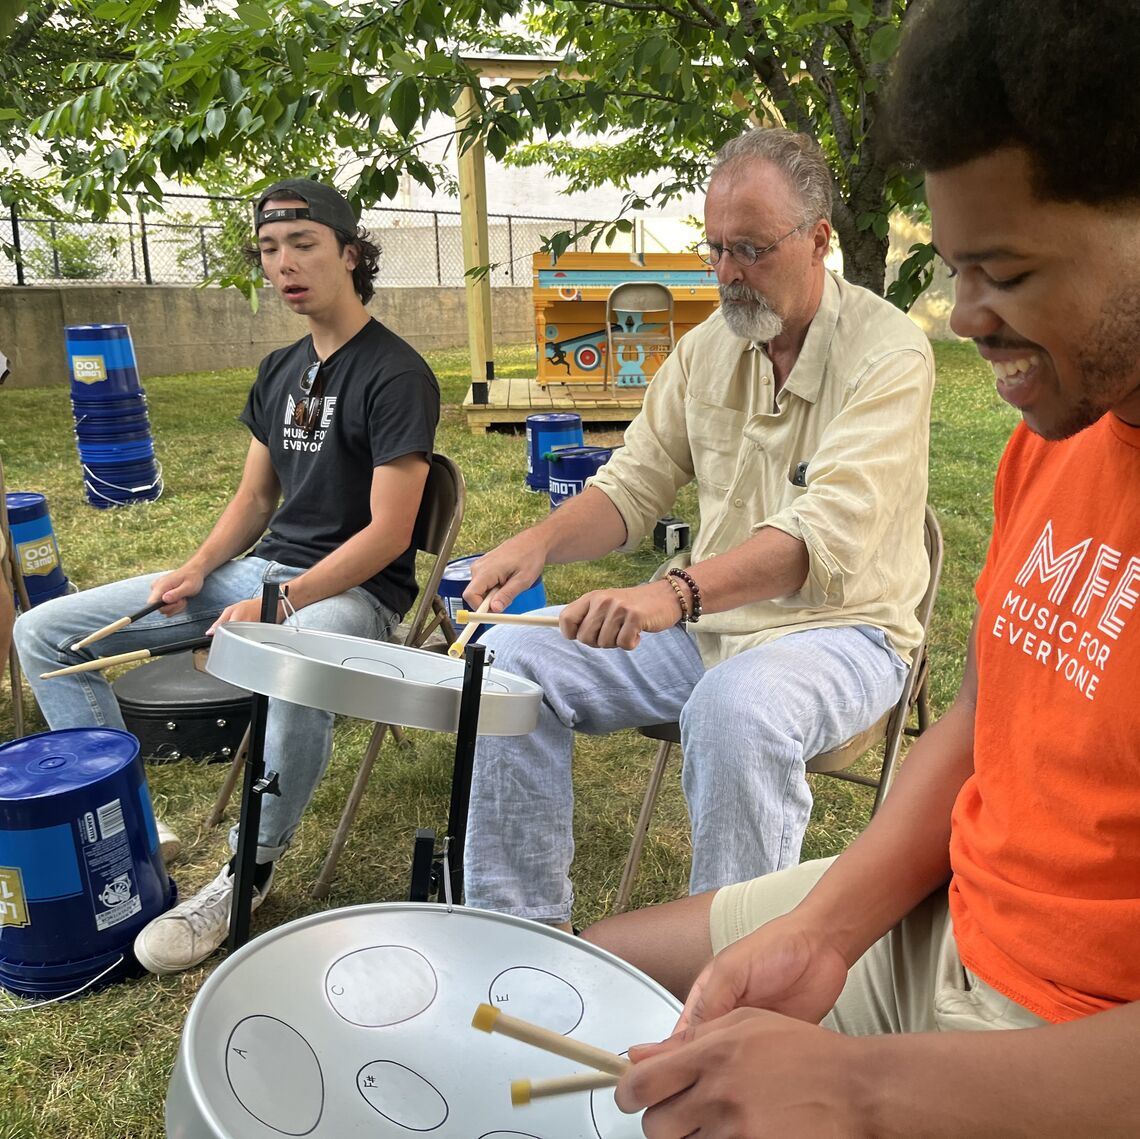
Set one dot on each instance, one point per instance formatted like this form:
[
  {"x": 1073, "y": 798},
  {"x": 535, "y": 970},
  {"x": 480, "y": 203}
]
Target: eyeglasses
[
  {"x": 307, "y": 412},
  {"x": 742, "y": 252}
]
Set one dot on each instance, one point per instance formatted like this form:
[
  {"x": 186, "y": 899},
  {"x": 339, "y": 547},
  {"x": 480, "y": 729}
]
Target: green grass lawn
[{"x": 97, "y": 1068}]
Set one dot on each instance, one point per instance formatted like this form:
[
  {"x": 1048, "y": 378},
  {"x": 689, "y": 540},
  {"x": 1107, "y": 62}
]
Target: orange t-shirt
[{"x": 1045, "y": 840}]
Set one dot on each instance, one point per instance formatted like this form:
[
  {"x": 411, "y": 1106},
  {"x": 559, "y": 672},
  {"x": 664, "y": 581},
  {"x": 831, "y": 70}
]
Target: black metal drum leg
[{"x": 255, "y": 785}]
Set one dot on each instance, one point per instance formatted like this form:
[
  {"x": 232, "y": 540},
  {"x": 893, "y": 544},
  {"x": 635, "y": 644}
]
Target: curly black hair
[
  {"x": 367, "y": 260},
  {"x": 1056, "y": 77}
]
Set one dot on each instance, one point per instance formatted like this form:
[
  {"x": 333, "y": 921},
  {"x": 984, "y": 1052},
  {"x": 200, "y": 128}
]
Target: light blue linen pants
[
  {"x": 747, "y": 727},
  {"x": 298, "y": 740}
]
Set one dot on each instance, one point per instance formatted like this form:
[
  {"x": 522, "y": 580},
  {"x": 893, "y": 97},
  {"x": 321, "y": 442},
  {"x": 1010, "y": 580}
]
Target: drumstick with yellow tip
[
  {"x": 115, "y": 626},
  {"x": 523, "y": 1091},
  {"x": 545, "y": 620},
  {"x": 100, "y": 663},
  {"x": 460, "y": 642},
  {"x": 487, "y": 1018}
]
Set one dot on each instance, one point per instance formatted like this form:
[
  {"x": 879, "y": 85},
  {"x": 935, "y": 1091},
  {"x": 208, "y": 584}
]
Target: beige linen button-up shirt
[{"x": 855, "y": 409}]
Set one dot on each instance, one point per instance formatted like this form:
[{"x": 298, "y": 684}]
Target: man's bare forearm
[
  {"x": 1055, "y": 1082},
  {"x": 237, "y": 529},
  {"x": 583, "y": 528}
]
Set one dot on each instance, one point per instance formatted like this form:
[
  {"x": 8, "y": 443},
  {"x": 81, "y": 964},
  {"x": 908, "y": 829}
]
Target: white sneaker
[
  {"x": 187, "y": 934},
  {"x": 169, "y": 844}
]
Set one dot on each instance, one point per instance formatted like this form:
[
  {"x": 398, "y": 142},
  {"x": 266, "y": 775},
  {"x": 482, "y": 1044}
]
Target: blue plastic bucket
[
  {"x": 125, "y": 451},
  {"x": 80, "y": 869},
  {"x": 127, "y": 430},
  {"x": 544, "y": 432},
  {"x": 569, "y": 469},
  {"x": 87, "y": 420},
  {"x": 36, "y": 548},
  {"x": 109, "y": 406},
  {"x": 111, "y": 484},
  {"x": 456, "y": 578},
  {"x": 101, "y": 361}
]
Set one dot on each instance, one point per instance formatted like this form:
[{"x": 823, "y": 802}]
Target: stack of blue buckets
[{"x": 112, "y": 426}]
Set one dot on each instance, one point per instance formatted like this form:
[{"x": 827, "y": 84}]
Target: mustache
[{"x": 738, "y": 292}]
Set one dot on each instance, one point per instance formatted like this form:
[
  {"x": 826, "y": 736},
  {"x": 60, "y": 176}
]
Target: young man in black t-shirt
[{"x": 342, "y": 425}]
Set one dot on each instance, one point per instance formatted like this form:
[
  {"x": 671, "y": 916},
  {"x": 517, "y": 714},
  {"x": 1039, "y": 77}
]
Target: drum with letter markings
[{"x": 358, "y": 1022}]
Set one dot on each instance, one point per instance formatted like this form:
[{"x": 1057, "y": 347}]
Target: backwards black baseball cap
[{"x": 322, "y": 204}]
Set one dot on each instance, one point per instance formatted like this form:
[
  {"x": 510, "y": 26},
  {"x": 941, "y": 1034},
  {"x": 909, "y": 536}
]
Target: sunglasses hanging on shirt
[{"x": 307, "y": 411}]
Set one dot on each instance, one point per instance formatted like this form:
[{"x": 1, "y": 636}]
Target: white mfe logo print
[{"x": 1091, "y": 592}]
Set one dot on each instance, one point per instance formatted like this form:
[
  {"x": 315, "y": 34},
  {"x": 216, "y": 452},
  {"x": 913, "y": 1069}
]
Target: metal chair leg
[
  {"x": 359, "y": 785},
  {"x": 625, "y": 888},
  {"x": 16, "y": 678},
  {"x": 232, "y": 776},
  {"x": 923, "y": 708}
]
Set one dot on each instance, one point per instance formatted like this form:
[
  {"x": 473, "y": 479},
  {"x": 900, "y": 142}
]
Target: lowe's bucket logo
[
  {"x": 566, "y": 487},
  {"x": 89, "y": 369},
  {"x": 13, "y": 900},
  {"x": 37, "y": 557}
]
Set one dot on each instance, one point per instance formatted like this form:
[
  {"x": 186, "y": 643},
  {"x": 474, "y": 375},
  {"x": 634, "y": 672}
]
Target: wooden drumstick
[
  {"x": 100, "y": 663},
  {"x": 115, "y": 626},
  {"x": 547, "y": 620},
  {"x": 489, "y": 1019},
  {"x": 456, "y": 649},
  {"x": 523, "y": 1091}
]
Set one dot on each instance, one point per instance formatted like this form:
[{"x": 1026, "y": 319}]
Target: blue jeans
[
  {"x": 298, "y": 740},
  {"x": 748, "y": 725}
]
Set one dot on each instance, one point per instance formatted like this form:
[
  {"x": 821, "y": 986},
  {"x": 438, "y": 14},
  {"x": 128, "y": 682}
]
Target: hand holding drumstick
[
  {"x": 115, "y": 626},
  {"x": 456, "y": 649}
]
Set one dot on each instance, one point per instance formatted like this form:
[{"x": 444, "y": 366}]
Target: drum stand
[
  {"x": 443, "y": 876},
  {"x": 257, "y": 783},
  {"x": 439, "y": 873}
]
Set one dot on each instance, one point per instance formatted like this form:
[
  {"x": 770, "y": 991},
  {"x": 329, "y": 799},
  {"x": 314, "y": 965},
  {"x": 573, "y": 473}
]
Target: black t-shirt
[{"x": 380, "y": 401}]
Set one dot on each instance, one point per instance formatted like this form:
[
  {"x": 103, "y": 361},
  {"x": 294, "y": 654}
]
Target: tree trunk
[{"x": 864, "y": 257}]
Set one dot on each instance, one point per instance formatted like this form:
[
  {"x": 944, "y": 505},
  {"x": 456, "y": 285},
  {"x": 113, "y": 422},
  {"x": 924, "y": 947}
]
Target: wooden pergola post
[{"x": 476, "y": 253}]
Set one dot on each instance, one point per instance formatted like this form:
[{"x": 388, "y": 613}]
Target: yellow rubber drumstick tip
[
  {"x": 520, "y": 1092},
  {"x": 485, "y": 1017}
]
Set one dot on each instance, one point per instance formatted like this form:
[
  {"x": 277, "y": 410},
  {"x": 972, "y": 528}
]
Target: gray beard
[{"x": 748, "y": 314}]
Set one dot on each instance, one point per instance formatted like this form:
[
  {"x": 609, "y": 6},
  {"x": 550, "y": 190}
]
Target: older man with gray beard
[{"x": 801, "y": 410}]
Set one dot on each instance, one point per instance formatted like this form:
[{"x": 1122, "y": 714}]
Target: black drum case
[{"x": 178, "y": 712}]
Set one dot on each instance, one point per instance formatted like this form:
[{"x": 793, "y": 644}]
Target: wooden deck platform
[{"x": 511, "y": 401}]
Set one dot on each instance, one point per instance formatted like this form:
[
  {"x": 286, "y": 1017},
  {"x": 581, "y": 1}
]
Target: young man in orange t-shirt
[{"x": 1025, "y": 796}]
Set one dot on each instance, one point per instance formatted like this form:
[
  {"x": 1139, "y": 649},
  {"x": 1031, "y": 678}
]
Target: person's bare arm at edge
[
  {"x": 238, "y": 527},
  {"x": 396, "y": 491}
]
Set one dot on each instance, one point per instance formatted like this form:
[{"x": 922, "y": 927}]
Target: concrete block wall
[{"x": 178, "y": 329}]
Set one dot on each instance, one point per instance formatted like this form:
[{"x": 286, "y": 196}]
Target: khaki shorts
[{"x": 910, "y": 980}]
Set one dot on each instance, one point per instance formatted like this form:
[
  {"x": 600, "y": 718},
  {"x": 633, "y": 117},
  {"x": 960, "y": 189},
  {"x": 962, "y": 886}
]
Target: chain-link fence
[{"x": 200, "y": 239}]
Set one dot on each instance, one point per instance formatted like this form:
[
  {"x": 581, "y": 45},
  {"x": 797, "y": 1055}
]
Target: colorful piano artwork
[{"x": 570, "y": 312}]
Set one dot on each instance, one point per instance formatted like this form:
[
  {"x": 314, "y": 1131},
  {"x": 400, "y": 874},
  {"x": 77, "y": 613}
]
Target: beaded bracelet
[
  {"x": 681, "y": 599},
  {"x": 694, "y": 589}
]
